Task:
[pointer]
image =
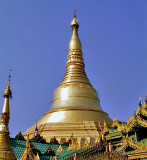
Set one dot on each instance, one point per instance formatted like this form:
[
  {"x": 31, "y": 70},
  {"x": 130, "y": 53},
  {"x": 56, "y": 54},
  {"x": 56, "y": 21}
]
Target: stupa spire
[
  {"x": 5, "y": 146},
  {"x": 7, "y": 94},
  {"x": 75, "y": 67},
  {"x": 75, "y": 41}
]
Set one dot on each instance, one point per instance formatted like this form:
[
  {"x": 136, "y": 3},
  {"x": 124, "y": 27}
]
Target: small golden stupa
[
  {"x": 6, "y": 152},
  {"x": 75, "y": 108}
]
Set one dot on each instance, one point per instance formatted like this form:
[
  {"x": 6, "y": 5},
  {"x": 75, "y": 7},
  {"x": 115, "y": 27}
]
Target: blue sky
[{"x": 34, "y": 38}]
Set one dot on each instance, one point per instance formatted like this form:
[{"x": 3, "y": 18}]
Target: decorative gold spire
[
  {"x": 7, "y": 94},
  {"x": 115, "y": 123},
  {"x": 28, "y": 153},
  {"x": 75, "y": 41},
  {"x": 105, "y": 127},
  {"x": 60, "y": 149},
  {"x": 5, "y": 147},
  {"x": 140, "y": 101}
]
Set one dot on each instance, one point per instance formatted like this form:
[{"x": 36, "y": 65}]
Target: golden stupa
[
  {"x": 6, "y": 152},
  {"x": 75, "y": 108}
]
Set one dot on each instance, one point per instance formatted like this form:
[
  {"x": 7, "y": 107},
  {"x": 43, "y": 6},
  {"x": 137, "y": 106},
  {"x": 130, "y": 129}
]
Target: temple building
[
  {"x": 75, "y": 127},
  {"x": 75, "y": 108},
  {"x": 120, "y": 141}
]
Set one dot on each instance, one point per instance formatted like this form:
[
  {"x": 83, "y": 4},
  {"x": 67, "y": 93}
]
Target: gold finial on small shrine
[
  {"x": 75, "y": 13},
  {"x": 7, "y": 92},
  {"x": 9, "y": 74}
]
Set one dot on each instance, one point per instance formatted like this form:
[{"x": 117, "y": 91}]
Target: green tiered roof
[
  {"x": 114, "y": 134},
  {"x": 18, "y": 147}
]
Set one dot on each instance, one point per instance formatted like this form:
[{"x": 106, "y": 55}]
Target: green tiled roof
[
  {"x": 114, "y": 134},
  {"x": 66, "y": 153},
  {"x": 18, "y": 147},
  {"x": 112, "y": 129}
]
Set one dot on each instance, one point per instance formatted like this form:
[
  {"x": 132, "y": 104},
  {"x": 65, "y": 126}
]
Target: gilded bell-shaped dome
[{"x": 75, "y": 100}]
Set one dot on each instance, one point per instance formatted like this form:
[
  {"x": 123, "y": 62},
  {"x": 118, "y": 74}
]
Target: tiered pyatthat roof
[
  {"x": 130, "y": 137},
  {"x": 28, "y": 153}
]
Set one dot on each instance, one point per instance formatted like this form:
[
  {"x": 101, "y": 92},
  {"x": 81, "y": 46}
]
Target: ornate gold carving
[
  {"x": 97, "y": 140},
  {"x": 86, "y": 144},
  {"x": 72, "y": 145},
  {"x": 73, "y": 85},
  {"x": 128, "y": 142},
  {"x": 105, "y": 129},
  {"x": 28, "y": 152},
  {"x": 60, "y": 149},
  {"x": 115, "y": 123}
]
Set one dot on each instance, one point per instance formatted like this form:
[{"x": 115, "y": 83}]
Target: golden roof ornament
[
  {"x": 100, "y": 127},
  {"x": 28, "y": 152},
  {"x": 60, "y": 149},
  {"x": 115, "y": 123},
  {"x": 105, "y": 126},
  {"x": 140, "y": 102}
]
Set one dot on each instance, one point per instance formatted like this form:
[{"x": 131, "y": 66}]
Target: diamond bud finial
[{"x": 75, "y": 13}]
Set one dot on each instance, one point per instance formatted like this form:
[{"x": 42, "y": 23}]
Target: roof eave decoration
[
  {"x": 28, "y": 153},
  {"x": 125, "y": 142},
  {"x": 60, "y": 149}
]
